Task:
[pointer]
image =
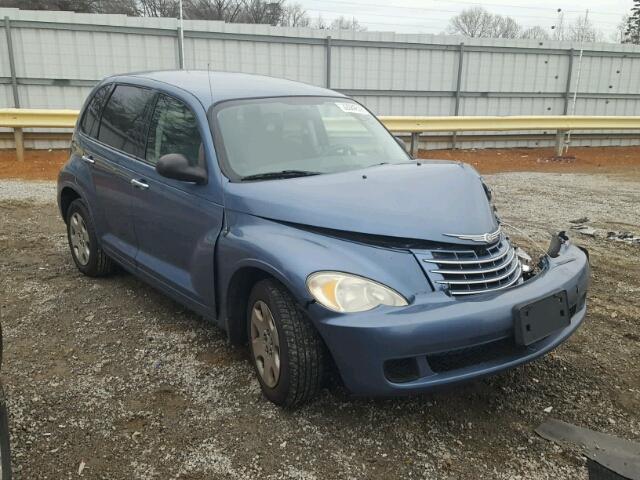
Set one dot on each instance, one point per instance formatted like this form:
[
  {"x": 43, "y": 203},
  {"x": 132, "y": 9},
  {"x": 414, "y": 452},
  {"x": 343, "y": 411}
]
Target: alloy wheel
[
  {"x": 265, "y": 343},
  {"x": 79, "y": 236}
]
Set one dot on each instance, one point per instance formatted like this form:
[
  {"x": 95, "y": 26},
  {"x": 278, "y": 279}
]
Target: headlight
[{"x": 342, "y": 292}]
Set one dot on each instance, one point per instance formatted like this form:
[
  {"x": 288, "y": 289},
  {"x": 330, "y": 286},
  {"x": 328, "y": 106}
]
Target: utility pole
[
  {"x": 575, "y": 91},
  {"x": 181, "y": 37},
  {"x": 559, "y": 27}
]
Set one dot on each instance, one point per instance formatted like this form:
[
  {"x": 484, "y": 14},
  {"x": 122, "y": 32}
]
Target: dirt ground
[
  {"x": 45, "y": 164},
  {"x": 577, "y": 159},
  {"x": 112, "y": 375}
]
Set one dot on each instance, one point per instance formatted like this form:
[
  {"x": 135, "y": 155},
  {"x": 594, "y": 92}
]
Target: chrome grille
[{"x": 471, "y": 270}]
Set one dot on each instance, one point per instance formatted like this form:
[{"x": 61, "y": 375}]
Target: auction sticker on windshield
[{"x": 352, "y": 108}]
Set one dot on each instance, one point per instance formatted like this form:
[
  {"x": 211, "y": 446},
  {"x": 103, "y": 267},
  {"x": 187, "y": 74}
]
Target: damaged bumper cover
[{"x": 440, "y": 340}]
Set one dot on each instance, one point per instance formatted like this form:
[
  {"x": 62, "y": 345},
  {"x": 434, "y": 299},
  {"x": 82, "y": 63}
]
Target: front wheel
[{"x": 287, "y": 353}]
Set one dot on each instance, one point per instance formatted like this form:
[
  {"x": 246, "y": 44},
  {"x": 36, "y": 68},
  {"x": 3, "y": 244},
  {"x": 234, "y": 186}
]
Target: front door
[{"x": 176, "y": 223}]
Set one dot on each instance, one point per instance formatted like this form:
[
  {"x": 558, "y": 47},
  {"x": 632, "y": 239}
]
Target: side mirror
[
  {"x": 176, "y": 166},
  {"x": 401, "y": 143}
]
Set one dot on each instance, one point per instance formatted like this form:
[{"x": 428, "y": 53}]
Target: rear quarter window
[
  {"x": 123, "y": 124},
  {"x": 91, "y": 117}
]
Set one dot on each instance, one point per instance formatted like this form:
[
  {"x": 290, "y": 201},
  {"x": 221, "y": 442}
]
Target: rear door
[
  {"x": 83, "y": 148},
  {"x": 120, "y": 140},
  {"x": 177, "y": 223}
]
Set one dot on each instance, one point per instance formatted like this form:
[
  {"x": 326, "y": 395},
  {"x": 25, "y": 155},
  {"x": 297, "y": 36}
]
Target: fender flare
[{"x": 229, "y": 320}]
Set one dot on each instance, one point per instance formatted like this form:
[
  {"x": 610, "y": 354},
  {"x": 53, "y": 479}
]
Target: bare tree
[
  {"x": 261, "y": 11},
  {"x": 505, "y": 27},
  {"x": 320, "y": 23},
  {"x": 619, "y": 35},
  {"x": 343, "y": 23},
  {"x": 159, "y": 8},
  {"x": 225, "y": 10},
  {"x": 82, "y": 6},
  {"x": 272, "y": 12},
  {"x": 125, "y": 7},
  {"x": 295, "y": 16},
  {"x": 472, "y": 22},
  {"x": 477, "y": 22},
  {"x": 536, "y": 32},
  {"x": 582, "y": 30}
]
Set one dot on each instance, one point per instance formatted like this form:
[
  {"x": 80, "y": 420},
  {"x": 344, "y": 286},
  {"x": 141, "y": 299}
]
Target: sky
[{"x": 432, "y": 16}]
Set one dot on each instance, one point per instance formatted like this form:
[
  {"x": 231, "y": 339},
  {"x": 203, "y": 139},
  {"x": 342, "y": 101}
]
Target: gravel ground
[
  {"x": 109, "y": 379},
  {"x": 40, "y": 192}
]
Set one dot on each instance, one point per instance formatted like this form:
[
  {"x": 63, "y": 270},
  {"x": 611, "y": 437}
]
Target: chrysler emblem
[{"x": 482, "y": 238}]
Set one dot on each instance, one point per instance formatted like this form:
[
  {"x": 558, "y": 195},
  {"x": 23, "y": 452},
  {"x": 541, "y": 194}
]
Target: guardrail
[
  {"x": 19, "y": 118},
  {"x": 560, "y": 123},
  {"x": 35, "y": 118}
]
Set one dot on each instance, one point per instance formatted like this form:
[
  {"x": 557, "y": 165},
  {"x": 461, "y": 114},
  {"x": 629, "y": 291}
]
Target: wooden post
[
  {"x": 415, "y": 140},
  {"x": 560, "y": 134},
  {"x": 19, "y": 141}
]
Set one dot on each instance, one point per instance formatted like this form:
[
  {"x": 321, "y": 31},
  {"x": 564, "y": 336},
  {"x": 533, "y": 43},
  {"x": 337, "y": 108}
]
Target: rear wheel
[
  {"x": 287, "y": 353},
  {"x": 83, "y": 242}
]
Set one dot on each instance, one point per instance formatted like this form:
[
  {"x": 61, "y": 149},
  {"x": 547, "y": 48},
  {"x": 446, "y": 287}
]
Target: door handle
[
  {"x": 88, "y": 158},
  {"x": 139, "y": 184}
]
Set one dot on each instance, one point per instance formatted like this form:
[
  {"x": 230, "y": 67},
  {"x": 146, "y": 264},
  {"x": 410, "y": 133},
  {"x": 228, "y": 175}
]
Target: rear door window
[
  {"x": 91, "y": 118},
  {"x": 123, "y": 124},
  {"x": 174, "y": 129}
]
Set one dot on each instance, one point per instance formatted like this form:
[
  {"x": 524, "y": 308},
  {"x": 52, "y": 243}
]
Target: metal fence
[{"x": 51, "y": 60}]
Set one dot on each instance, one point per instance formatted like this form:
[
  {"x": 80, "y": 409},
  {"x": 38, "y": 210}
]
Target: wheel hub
[
  {"x": 79, "y": 236},
  {"x": 265, "y": 343}
]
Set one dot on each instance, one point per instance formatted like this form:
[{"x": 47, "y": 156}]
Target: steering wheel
[{"x": 341, "y": 149}]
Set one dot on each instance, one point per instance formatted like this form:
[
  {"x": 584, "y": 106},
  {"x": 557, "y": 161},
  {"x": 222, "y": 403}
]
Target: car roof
[{"x": 211, "y": 87}]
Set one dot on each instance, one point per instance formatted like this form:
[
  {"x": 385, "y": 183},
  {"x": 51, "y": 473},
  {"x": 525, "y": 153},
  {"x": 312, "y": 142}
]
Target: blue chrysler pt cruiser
[{"x": 290, "y": 217}]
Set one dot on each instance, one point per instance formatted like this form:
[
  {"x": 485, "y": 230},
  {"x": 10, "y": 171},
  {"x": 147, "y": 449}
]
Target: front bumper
[{"x": 440, "y": 340}]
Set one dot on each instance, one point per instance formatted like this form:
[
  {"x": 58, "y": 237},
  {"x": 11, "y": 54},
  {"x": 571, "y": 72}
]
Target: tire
[
  {"x": 301, "y": 352},
  {"x": 83, "y": 242}
]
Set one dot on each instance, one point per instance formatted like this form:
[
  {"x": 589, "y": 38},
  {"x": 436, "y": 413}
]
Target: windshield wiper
[{"x": 280, "y": 174}]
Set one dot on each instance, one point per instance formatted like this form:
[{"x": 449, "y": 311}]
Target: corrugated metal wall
[{"x": 58, "y": 56}]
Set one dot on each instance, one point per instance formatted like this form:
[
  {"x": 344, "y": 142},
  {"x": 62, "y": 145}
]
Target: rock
[
  {"x": 585, "y": 230},
  {"x": 579, "y": 220},
  {"x": 623, "y": 237}
]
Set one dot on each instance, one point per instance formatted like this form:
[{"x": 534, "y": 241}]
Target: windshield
[{"x": 301, "y": 135}]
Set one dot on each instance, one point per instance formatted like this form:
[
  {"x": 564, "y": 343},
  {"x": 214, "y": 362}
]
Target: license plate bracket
[{"x": 537, "y": 320}]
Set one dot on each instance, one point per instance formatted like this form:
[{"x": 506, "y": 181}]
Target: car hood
[{"x": 415, "y": 201}]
